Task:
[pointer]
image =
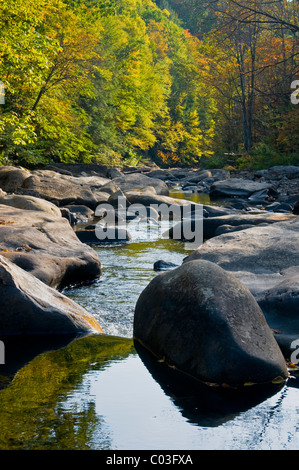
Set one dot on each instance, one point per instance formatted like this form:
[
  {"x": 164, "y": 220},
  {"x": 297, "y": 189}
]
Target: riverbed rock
[
  {"x": 278, "y": 172},
  {"x": 78, "y": 169},
  {"x": 162, "y": 265},
  {"x": 114, "y": 173},
  {"x": 47, "y": 247},
  {"x": 216, "y": 211},
  {"x": 58, "y": 190},
  {"x": 203, "y": 321},
  {"x": 164, "y": 175},
  {"x": 63, "y": 189},
  {"x": 279, "y": 207},
  {"x": 150, "y": 198},
  {"x": 296, "y": 208},
  {"x": 167, "y": 207},
  {"x": 11, "y": 178},
  {"x": 266, "y": 259},
  {"x": 81, "y": 213},
  {"x": 230, "y": 228},
  {"x": 137, "y": 180},
  {"x": 211, "y": 225},
  {"x": 30, "y": 203},
  {"x": 30, "y": 307},
  {"x": 238, "y": 187},
  {"x": 102, "y": 234},
  {"x": 197, "y": 177}
]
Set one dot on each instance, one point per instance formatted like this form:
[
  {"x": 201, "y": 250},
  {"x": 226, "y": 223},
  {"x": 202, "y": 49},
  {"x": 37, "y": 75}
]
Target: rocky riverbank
[{"x": 252, "y": 235}]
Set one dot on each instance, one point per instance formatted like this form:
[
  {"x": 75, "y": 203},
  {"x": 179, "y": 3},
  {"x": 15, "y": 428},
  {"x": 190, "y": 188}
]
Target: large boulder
[
  {"x": 58, "y": 190},
  {"x": 79, "y": 169},
  {"x": 258, "y": 256},
  {"x": 138, "y": 180},
  {"x": 64, "y": 190},
  {"x": 211, "y": 225},
  {"x": 266, "y": 259},
  {"x": 29, "y": 307},
  {"x": 11, "y": 178},
  {"x": 80, "y": 213},
  {"x": 101, "y": 234},
  {"x": 203, "y": 321},
  {"x": 30, "y": 203},
  {"x": 278, "y": 172},
  {"x": 47, "y": 247},
  {"x": 161, "y": 174},
  {"x": 150, "y": 198},
  {"x": 238, "y": 187}
]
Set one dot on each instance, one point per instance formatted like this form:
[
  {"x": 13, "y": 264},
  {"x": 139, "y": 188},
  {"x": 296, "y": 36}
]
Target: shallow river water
[{"x": 99, "y": 393}]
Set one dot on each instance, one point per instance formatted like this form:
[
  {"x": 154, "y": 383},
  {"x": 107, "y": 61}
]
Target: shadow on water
[
  {"x": 200, "y": 404},
  {"x": 20, "y": 350},
  {"x": 23, "y": 350},
  {"x": 39, "y": 378}
]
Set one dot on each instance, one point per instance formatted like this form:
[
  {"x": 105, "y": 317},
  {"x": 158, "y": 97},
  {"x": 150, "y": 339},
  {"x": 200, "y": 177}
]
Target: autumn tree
[{"x": 47, "y": 58}]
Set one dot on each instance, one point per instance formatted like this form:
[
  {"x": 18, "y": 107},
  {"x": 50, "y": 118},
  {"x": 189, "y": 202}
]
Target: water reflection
[
  {"x": 202, "y": 405},
  {"x": 98, "y": 393},
  {"x": 20, "y": 350},
  {"x": 32, "y": 412}
]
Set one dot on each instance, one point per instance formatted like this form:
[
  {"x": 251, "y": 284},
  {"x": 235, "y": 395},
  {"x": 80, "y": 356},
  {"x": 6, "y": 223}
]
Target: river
[{"x": 99, "y": 393}]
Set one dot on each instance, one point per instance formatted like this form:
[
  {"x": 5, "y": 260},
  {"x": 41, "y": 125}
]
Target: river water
[{"x": 99, "y": 393}]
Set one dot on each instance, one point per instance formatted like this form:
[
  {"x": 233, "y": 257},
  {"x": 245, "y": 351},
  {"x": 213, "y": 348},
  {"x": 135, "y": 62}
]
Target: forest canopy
[{"x": 176, "y": 82}]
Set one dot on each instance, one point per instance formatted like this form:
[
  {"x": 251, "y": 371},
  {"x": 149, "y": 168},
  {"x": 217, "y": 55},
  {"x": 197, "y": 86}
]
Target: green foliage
[
  {"x": 89, "y": 80},
  {"x": 264, "y": 156},
  {"x": 119, "y": 80}
]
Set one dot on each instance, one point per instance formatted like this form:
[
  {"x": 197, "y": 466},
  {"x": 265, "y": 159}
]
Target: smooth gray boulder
[
  {"x": 58, "y": 189},
  {"x": 238, "y": 187},
  {"x": 278, "y": 172},
  {"x": 81, "y": 213},
  {"x": 77, "y": 169},
  {"x": 162, "y": 265},
  {"x": 114, "y": 173},
  {"x": 258, "y": 256},
  {"x": 102, "y": 234},
  {"x": 211, "y": 225},
  {"x": 138, "y": 180},
  {"x": 30, "y": 203},
  {"x": 29, "y": 307},
  {"x": 203, "y": 321},
  {"x": 160, "y": 174},
  {"x": 11, "y": 178},
  {"x": 47, "y": 247},
  {"x": 266, "y": 259}
]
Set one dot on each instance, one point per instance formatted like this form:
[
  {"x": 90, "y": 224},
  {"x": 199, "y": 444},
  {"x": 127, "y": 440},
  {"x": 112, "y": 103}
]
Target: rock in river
[
  {"x": 47, "y": 247},
  {"x": 102, "y": 234},
  {"x": 137, "y": 181},
  {"x": 63, "y": 190},
  {"x": 266, "y": 259},
  {"x": 238, "y": 187},
  {"x": 205, "y": 322},
  {"x": 29, "y": 307},
  {"x": 29, "y": 203},
  {"x": 11, "y": 178},
  {"x": 211, "y": 225}
]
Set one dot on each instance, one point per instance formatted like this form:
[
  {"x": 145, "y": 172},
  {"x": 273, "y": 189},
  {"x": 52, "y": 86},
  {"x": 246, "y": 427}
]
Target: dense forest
[{"x": 179, "y": 82}]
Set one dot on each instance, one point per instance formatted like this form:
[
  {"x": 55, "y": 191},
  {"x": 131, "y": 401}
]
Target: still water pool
[{"x": 100, "y": 393}]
